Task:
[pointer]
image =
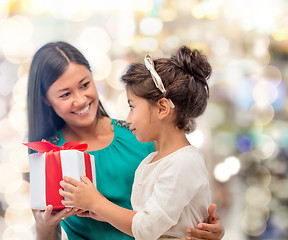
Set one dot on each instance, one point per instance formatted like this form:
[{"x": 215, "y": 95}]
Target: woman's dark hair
[
  {"x": 184, "y": 77},
  {"x": 48, "y": 64}
]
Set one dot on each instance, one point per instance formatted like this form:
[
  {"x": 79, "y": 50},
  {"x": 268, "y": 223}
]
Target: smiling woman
[
  {"x": 74, "y": 97},
  {"x": 58, "y": 61}
]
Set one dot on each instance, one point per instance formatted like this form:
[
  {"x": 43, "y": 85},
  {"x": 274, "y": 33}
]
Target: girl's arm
[
  {"x": 86, "y": 197},
  {"x": 213, "y": 230},
  {"x": 90, "y": 214}
]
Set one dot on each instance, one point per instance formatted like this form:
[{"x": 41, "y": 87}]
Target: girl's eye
[{"x": 131, "y": 107}]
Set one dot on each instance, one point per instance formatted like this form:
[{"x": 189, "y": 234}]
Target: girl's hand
[
  {"x": 91, "y": 215},
  {"x": 82, "y": 195},
  {"x": 47, "y": 223},
  {"x": 213, "y": 230}
]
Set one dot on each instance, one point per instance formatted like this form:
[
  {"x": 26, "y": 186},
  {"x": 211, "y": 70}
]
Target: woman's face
[{"x": 74, "y": 97}]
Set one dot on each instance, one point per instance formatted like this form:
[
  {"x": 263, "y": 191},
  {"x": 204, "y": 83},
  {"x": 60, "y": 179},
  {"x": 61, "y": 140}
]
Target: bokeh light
[
  {"x": 101, "y": 67},
  {"x": 151, "y": 26},
  {"x": 196, "y": 138},
  {"x": 19, "y": 158},
  {"x": 19, "y": 217},
  {"x": 8, "y": 174},
  {"x": 118, "y": 69},
  {"x": 229, "y": 167},
  {"x": 256, "y": 195},
  {"x": 16, "y": 33},
  {"x": 254, "y": 219},
  {"x": 93, "y": 42}
]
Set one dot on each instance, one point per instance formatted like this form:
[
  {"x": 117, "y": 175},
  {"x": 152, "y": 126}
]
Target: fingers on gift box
[{"x": 50, "y": 165}]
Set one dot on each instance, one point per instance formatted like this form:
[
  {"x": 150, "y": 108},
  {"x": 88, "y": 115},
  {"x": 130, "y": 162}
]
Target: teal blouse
[{"x": 115, "y": 168}]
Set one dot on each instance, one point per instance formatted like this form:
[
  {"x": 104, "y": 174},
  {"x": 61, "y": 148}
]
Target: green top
[{"x": 115, "y": 168}]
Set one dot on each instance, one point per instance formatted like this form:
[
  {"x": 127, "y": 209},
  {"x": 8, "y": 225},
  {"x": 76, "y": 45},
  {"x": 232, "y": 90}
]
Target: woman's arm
[
  {"x": 86, "y": 197},
  {"x": 48, "y": 224},
  {"x": 213, "y": 230}
]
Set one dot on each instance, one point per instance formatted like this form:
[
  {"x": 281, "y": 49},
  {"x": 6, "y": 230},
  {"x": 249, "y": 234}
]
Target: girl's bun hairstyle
[
  {"x": 195, "y": 64},
  {"x": 184, "y": 77},
  {"x": 188, "y": 87}
]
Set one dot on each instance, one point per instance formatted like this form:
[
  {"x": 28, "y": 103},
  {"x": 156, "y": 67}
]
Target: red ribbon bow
[{"x": 45, "y": 146}]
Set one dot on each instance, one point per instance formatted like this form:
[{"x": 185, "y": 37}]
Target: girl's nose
[{"x": 128, "y": 119}]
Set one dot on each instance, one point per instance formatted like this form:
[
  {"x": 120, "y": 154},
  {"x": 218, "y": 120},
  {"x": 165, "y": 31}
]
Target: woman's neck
[{"x": 97, "y": 136}]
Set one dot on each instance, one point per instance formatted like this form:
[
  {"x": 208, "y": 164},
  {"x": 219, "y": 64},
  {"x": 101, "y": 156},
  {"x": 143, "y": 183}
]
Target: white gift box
[{"x": 48, "y": 169}]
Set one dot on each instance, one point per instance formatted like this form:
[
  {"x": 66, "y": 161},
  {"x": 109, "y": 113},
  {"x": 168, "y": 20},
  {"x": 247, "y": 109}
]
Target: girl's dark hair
[
  {"x": 184, "y": 77},
  {"x": 48, "y": 64}
]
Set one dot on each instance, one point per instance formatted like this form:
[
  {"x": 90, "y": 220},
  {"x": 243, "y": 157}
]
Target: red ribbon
[
  {"x": 45, "y": 146},
  {"x": 53, "y": 167}
]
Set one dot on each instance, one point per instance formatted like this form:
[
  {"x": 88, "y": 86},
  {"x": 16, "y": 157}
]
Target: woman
[{"x": 63, "y": 105}]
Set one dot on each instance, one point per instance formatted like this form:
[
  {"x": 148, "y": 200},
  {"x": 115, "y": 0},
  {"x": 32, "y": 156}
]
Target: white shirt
[{"x": 170, "y": 194}]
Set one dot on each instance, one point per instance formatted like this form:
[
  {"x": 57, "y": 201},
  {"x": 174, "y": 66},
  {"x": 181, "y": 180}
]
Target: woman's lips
[{"x": 83, "y": 110}]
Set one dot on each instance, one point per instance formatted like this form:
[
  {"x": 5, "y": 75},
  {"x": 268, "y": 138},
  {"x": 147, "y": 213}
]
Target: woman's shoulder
[
  {"x": 121, "y": 127},
  {"x": 124, "y": 136},
  {"x": 120, "y": 123},
  {"x": 55, "y": 138}
]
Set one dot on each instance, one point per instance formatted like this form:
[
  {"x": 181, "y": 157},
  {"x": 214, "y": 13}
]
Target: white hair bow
[{"x": 156, "y": 78}]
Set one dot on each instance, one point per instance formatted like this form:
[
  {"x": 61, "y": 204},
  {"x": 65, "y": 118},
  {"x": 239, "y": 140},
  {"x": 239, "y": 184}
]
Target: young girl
[{"x": 171, "y": 187}]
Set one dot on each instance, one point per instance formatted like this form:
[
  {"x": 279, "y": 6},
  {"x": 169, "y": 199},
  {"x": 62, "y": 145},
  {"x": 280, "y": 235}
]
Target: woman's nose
[{"x": 79, "y": 99}]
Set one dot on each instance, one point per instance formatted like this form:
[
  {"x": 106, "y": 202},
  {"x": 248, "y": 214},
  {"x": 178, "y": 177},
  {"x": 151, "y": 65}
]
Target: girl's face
[
  {"x": 142, "y": 118},
  {"x": 74, "y": 97}
]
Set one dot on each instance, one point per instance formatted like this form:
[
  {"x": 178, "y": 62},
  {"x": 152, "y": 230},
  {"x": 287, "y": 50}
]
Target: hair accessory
[{"x": 156, "y": 78}]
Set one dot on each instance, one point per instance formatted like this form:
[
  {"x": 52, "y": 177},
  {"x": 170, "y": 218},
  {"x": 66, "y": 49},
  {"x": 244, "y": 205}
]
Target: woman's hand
[
  {"x": 82, "y": 195},
  {"x": 213, "y": 230},
  {"x": 47, "y": 223}
]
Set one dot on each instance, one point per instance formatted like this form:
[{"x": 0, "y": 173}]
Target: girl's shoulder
[{"x": 184, "y": 158}]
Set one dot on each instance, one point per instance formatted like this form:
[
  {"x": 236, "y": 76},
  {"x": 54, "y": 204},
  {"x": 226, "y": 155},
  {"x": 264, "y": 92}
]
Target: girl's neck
[{"x": 169, "y": 142}]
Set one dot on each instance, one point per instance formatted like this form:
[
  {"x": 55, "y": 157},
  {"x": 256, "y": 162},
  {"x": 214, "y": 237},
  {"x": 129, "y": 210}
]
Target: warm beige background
[{"x": 244, "y": 131}]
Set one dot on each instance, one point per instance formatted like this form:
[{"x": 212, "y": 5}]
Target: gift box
[{"x": 50, "y": 165}]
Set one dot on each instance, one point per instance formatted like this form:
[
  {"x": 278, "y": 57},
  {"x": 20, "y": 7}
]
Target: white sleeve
[{"x": 176, "y": 186}]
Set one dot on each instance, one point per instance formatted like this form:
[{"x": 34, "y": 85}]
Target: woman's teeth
[{"x": 84, "y": 110}]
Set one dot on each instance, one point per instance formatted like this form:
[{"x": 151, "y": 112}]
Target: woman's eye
[
  {"x": 85, "y": 85},
  {"x": 65, "y": 95},
  {"x": 131, "y": 107}
]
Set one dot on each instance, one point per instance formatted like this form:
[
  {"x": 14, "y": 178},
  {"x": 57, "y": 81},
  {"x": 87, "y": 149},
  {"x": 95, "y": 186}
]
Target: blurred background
[{"x": 243, "y": 133}]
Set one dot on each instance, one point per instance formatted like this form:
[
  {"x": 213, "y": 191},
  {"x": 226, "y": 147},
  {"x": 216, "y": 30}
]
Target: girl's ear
[{"x": 164, "y": 108}]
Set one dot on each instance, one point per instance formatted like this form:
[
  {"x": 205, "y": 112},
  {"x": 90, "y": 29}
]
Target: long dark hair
[
  {"x": 184, "y": 77},
  {"x": 48, "y": 64}
]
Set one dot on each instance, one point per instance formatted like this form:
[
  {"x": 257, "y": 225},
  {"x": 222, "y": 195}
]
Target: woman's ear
[
  {"x": 45, "y": 100},
  {"x": 164, "y": 108}
]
